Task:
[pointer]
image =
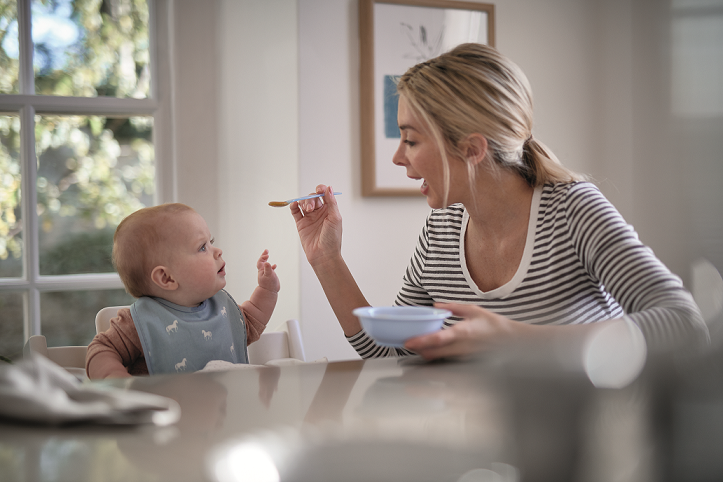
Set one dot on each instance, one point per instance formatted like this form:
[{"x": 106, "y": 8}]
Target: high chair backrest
[
  {"x": 275, "y": 345},
  {"x": 102, "y": 319},
  {"x": 72, "y": 358}
]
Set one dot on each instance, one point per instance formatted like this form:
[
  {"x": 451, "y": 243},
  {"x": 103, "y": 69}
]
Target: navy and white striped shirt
[{"x": 582, "y": 263}]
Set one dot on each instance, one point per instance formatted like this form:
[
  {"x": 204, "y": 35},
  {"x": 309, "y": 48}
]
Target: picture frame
[{"x": 395, "y": 35}]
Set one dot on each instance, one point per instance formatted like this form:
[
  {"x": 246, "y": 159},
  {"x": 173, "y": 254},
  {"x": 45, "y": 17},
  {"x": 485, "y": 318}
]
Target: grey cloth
[
  {"x": 40, "y": 391},
  {"x": 179, "y": 339}
]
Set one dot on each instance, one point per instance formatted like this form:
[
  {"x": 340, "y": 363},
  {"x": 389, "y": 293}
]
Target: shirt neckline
[{"x": 507, "y": 288}]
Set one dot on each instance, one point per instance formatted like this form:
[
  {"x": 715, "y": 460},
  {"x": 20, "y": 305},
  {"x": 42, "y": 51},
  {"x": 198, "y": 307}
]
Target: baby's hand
[{"x": 267, "y": 276}]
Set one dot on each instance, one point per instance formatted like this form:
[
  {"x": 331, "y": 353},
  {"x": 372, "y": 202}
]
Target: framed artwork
[{"x": 395, "y": 35}]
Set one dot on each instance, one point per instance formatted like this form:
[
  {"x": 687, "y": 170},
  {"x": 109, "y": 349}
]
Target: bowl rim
[{"x": 429, "y": 313}]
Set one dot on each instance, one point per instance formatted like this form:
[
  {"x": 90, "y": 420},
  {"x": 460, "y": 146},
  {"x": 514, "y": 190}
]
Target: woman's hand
[
  {"x": 480, "y": 330},
  {"x": 319, "y": 226}
]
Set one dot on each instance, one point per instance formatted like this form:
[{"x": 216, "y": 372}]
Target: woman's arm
[
  {"x": 319, "y": 227},
  {"x": 481, "y": 330},
  {"x": 652, "y": 296}
]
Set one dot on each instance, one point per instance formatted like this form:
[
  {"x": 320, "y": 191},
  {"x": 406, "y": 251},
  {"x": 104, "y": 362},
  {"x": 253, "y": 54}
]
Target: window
[
  {"x": 77, "y": 154},
  {"x": 697, "y": 58}
]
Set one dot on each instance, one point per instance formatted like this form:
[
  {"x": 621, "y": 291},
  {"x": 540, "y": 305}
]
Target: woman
[{"x": 522, "y": 247}]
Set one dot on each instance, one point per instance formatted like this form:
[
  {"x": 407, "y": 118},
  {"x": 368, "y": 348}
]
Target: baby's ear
[{"x": 162, "y": 278}]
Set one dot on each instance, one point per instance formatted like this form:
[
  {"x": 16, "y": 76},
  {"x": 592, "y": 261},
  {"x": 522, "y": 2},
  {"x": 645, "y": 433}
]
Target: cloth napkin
[{"x": 38, "y": 390}]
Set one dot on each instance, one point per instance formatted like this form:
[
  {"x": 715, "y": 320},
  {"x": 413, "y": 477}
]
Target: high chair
[{"x": 72, "y": 358}]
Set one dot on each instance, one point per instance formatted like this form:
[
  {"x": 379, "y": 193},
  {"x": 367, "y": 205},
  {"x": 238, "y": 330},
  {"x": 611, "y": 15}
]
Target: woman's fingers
[
  {"x": 478, "y": 330},
  {"x": 309, "y": 205},
  {"x": 463, "y": 311},
  {"x": 431, "y": 342}
]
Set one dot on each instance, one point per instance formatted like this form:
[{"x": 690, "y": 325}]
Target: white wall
[
  {"x": 258, "y": 141},
  {"x": 288, "y": 105}
]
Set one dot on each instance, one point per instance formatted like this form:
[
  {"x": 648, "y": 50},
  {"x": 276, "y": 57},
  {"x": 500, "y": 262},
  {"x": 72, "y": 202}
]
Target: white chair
[
  {"x": 102, "y": 319},
  {"x": 273, "y": 345},
  {"x": 72, "y": 358},
  {"x": 276, "y": 345}
]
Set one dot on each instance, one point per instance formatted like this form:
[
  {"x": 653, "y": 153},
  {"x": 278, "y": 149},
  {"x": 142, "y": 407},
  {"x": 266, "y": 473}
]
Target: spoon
[{"x": 280, "y": 204}]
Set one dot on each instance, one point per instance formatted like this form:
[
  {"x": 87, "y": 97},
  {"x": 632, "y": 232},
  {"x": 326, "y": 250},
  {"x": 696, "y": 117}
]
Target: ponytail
[{"x": 540, "y": 166}]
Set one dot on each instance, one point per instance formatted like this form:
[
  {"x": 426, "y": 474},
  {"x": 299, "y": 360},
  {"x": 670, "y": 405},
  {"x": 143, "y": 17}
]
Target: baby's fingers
[{"x": 262, "y": 259}]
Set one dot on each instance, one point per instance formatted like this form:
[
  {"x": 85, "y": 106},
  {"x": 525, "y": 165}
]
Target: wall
[
  {"x": 235, "y": 114},
  {"x": 258, "y": 143}
]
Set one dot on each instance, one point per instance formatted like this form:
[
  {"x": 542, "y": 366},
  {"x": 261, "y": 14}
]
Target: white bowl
[{"x": 393, "y": 325}]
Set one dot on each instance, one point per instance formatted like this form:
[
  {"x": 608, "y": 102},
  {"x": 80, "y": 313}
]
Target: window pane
[
  {"x": 68, "y": 317},
  {"x": 90, "y": 48},
  {"x": 12, "y": 337},
  {"x": 92, "y": 172},
  {"x": 9, "y": 47},
  {"x": 11, "y": 243}
]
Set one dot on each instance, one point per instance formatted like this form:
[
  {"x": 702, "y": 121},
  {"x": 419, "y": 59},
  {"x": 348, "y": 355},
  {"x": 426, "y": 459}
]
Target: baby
[{"x": 183, "y": 318}]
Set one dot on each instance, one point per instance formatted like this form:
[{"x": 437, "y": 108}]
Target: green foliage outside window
[{"x": 92, "y": 170}]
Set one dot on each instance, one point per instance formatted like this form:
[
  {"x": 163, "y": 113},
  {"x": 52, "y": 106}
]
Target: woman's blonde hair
[
  {"x": 139, "y": 242},
  {"x": 474, "y": 89}
]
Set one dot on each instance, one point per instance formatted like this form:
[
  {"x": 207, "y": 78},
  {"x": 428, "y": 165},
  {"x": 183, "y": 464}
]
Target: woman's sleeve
[
  {"x": 649, "y": 293},
  {"x": 114, "y": 352},
  {"x": 411, "y": 293}
]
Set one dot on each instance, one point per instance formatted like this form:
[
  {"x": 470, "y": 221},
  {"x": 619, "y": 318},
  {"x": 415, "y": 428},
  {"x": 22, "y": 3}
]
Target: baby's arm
[
  {"x": 259, "y": 307},
  {"x": 111, "y": 352}
]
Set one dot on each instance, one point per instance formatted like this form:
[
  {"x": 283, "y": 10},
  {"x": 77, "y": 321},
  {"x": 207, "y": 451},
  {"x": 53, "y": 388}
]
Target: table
[{"x": 510, "y": 417}]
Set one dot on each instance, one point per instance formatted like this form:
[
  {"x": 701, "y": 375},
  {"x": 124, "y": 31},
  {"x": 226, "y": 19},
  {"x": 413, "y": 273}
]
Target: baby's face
[{"x": 195, "y": 263}]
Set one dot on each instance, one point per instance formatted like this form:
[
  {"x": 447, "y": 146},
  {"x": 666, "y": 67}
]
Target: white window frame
[{"x": 27, "y": 104}]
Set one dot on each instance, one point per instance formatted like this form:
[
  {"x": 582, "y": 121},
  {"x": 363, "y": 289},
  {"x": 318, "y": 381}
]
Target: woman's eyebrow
[{"x": 403, "y": 127}]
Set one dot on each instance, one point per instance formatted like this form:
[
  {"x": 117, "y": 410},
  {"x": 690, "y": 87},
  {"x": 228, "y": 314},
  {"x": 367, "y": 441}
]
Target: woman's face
[{"x": 419, "y": 154}]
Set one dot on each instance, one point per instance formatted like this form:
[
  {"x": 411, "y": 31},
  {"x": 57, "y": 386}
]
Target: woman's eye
[{"x": 409, "y": 143}]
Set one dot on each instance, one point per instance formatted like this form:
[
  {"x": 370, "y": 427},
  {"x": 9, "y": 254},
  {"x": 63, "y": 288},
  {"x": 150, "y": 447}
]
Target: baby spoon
[{"x": 280, "y": 204}]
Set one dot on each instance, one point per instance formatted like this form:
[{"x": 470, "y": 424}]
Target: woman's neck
[{"x": 500, "y": 206}]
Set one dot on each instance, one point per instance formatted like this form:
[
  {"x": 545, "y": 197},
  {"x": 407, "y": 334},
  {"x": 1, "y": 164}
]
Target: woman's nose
[{"x": 398, "y": 157}]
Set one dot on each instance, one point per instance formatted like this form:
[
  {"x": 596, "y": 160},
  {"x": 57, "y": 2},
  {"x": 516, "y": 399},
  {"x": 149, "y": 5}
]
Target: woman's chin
[{"x": 434, "y": 203}]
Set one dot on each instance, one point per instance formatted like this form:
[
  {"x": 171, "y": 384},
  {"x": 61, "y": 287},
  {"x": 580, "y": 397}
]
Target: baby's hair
[{"x": 138, "y": 243}]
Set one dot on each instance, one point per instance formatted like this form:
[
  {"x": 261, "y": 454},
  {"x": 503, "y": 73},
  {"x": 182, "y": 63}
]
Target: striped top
[{"x": 582, "y": 263}]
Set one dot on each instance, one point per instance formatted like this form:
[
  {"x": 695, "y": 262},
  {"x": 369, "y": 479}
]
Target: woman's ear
[
  {"x": 162, "y": 278},
  {"x": 475, "y": 148}
]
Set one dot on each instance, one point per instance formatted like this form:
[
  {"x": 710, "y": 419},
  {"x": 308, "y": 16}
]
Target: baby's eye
[{"x": 203, "y": 247}]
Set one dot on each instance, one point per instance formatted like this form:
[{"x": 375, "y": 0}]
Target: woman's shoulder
[
  {"x": 452, "y": 214},
  {"x": 446, "y": 221},
  {"x": 558, "y": 189},
  {"x": 570, "y": 195}
]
